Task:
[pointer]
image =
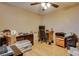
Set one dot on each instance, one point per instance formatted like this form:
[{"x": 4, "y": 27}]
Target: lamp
[{"x": 13, "y": 32}]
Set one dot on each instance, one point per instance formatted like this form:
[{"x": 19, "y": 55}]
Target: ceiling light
[
  {"x": 45, "y": 7},
  {"x": 42, "y": 4},
  {"x": 48, "y": 4}
]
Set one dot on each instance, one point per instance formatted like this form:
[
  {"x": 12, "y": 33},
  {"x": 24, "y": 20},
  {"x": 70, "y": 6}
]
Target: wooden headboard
[{"x": 29, "y": 37}]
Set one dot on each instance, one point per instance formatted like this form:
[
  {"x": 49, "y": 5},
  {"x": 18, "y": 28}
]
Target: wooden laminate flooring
[{"x": 43, "y": 49}]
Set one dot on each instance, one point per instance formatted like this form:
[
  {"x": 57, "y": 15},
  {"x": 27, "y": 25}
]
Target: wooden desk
[{"x": 26, "y": 37}]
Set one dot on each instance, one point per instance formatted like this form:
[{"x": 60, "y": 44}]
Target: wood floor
[{"x": 43, "y": 49}]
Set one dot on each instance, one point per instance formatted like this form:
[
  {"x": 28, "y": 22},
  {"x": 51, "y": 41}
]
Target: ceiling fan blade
[
  {"x": 34, "y": 3},
  {"x": 55, "y": 5}
]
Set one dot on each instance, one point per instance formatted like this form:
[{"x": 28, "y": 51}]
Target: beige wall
[
  {"x": 18, "y": 19},
  {"x": 24, "y": 21},
  {"x": 64, "y": 20}
]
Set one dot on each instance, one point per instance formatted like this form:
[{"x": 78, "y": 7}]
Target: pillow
[{"x": 3, "y": 49}]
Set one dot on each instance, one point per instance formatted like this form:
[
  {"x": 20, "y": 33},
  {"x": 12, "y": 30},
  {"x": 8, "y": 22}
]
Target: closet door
[{"x": 41, "y": 32}]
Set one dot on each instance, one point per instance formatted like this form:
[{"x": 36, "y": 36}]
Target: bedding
[{"x": 24, "y": 45}]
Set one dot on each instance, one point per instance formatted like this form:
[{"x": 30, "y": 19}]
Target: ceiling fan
[{"x": 45, "y": 5}]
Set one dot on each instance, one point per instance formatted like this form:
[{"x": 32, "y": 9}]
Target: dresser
[{"x": 60, "y": 40}]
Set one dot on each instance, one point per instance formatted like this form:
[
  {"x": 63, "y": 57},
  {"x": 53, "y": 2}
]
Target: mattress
[{"x": 24, "y": 45}]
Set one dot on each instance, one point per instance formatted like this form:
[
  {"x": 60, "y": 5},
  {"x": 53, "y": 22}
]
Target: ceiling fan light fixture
[
  {"x": 45, "y": 7},
  {"x": 48, "y": 5},
  {"x": 43, "y": 4}
]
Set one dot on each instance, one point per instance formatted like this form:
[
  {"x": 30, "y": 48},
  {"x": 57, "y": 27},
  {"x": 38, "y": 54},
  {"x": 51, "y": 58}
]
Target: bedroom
[{"x": 24, "y": 19}]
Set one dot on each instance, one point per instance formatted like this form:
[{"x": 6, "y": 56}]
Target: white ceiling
[{"x": 37, "y": 8}]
